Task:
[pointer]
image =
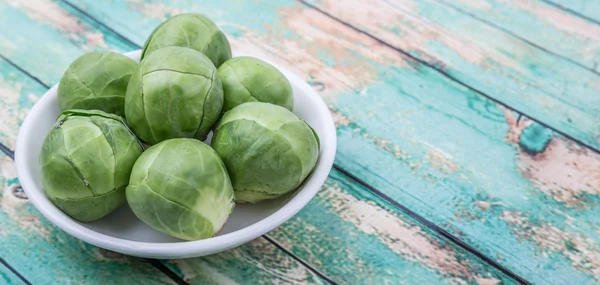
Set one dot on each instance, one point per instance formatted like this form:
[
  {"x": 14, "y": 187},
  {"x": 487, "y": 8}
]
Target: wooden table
[{"x": 469, "y": 140}]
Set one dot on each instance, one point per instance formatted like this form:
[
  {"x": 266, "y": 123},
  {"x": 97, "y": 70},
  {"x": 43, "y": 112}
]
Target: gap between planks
[
  {"x": 429, "y": 224},
  {"x": 574, "y": 13},
  {"x": 119, "y": 35},
  {"x": 450, "y": 5},
  {"x": 14, "y": 271},
  {"x": 449, "y": 76},
  {"x": 371, "y": 188},
  {"x": 165, "y": 270},
  {"x": 375, "y": 191},
  {"x": 304, "y": 263}
]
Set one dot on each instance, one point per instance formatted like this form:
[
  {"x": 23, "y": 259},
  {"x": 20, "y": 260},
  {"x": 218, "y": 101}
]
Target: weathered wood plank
[
  {"x": 258, "y": 262},
  {"x": 587, "y": 9},
  {"x": 8, "y": 277},
  {"x": 18, "y": 93},
  {"x": 370, "y": 245},
  {"x": 49, "y": 22},
  {"x": 362, "y": 239},
  {"x": 544, "y": 86},
  {"x": 571, "y": 37},
  {"x": 433, "y": 145}
]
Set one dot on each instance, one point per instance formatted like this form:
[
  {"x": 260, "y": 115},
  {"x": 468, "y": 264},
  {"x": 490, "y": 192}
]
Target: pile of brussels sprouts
[{"x": 134, "y": 134}]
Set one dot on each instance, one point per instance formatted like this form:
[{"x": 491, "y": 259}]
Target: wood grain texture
[
  {"x": 481, "y": 173},
  {"x": 589, "y": 9},
  {"x": 356, "y": 236},
  {"x": 18, "y": 93},
  {"x": 564, "y": 34},
  {"x": 544, "y": 86},
  {"x": 420, "y": 255},
  {"x": 437, "y": 147},
  {"x": 55, "y": 35},
  {"x": 257, "y": 262}
]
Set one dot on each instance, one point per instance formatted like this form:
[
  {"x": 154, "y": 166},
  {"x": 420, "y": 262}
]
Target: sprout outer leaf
[
  {"x": 268, "y": 151},
  {"x": 86, "y": 160}
]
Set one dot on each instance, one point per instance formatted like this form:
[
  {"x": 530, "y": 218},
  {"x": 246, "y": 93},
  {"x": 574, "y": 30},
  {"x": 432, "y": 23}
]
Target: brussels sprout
[
  {"x": 175, "y": 93},
  {"x": 86, "y": 161},
  {"x": 190, "y": 30},
  {"x": 267, "y": 150},
  {"x": 249, "y": 79},
  {"x": 96, "y": 81},
  {"x": 181, "y": 187}
]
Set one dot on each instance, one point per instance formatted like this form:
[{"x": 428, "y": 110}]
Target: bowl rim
[{"x": 180, "y": 249}]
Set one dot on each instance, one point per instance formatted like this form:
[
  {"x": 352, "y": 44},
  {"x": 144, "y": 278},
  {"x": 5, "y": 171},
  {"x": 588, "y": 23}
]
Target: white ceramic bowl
[{"x": 122, "y": 232}]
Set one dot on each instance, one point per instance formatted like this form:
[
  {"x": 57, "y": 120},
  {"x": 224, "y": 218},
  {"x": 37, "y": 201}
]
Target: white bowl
[{"x": 122, "y": 232}]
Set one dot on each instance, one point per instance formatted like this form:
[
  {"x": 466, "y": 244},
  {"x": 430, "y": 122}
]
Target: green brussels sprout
[
  {"x": 249, "y": 79},
  {"x": 86, "y": 161},
  {"x": 181, "y": 187},
  {"x": 193, "y": 31},
  {"x": 175, "y": 93},
  {"x": 96, "y": 81},
  {"x": 267, "y": 150}
]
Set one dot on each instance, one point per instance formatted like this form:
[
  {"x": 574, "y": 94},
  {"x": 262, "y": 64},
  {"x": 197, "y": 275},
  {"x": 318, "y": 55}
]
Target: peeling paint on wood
[
  {"x": 559, "y": 168},
  {"x": 52, "y": 24},
  {"x": 257, "y": 262},
  {"x": 526, "y": 77},
  {"x": 572, "y": 37},
  {"x": 444, "y": 151},
  {"x": 261, "y": 261},
  {"x": 583, "y": 252},
  {"x": 18, "y": 93},
  {"x": 50, "y": 13},
  {"x": 345, "y": 217}
]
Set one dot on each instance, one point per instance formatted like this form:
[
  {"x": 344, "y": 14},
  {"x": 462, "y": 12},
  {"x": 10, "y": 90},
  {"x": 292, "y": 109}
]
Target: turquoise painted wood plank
[
  {"x": 8, "y": 277},
  {"x": 258, "y": 262},
  {"x": 546, "y": 87},
  {"x": 263, "y": 263},
  {"x": 59, "y": 36},
  {"x": 543, "y": 24},
  {"x": 444, "y": 151},
  {"x": 590, "y": 9},
  {"x": 18, "y": 93},
  {"x": 360, "y": 238}
]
